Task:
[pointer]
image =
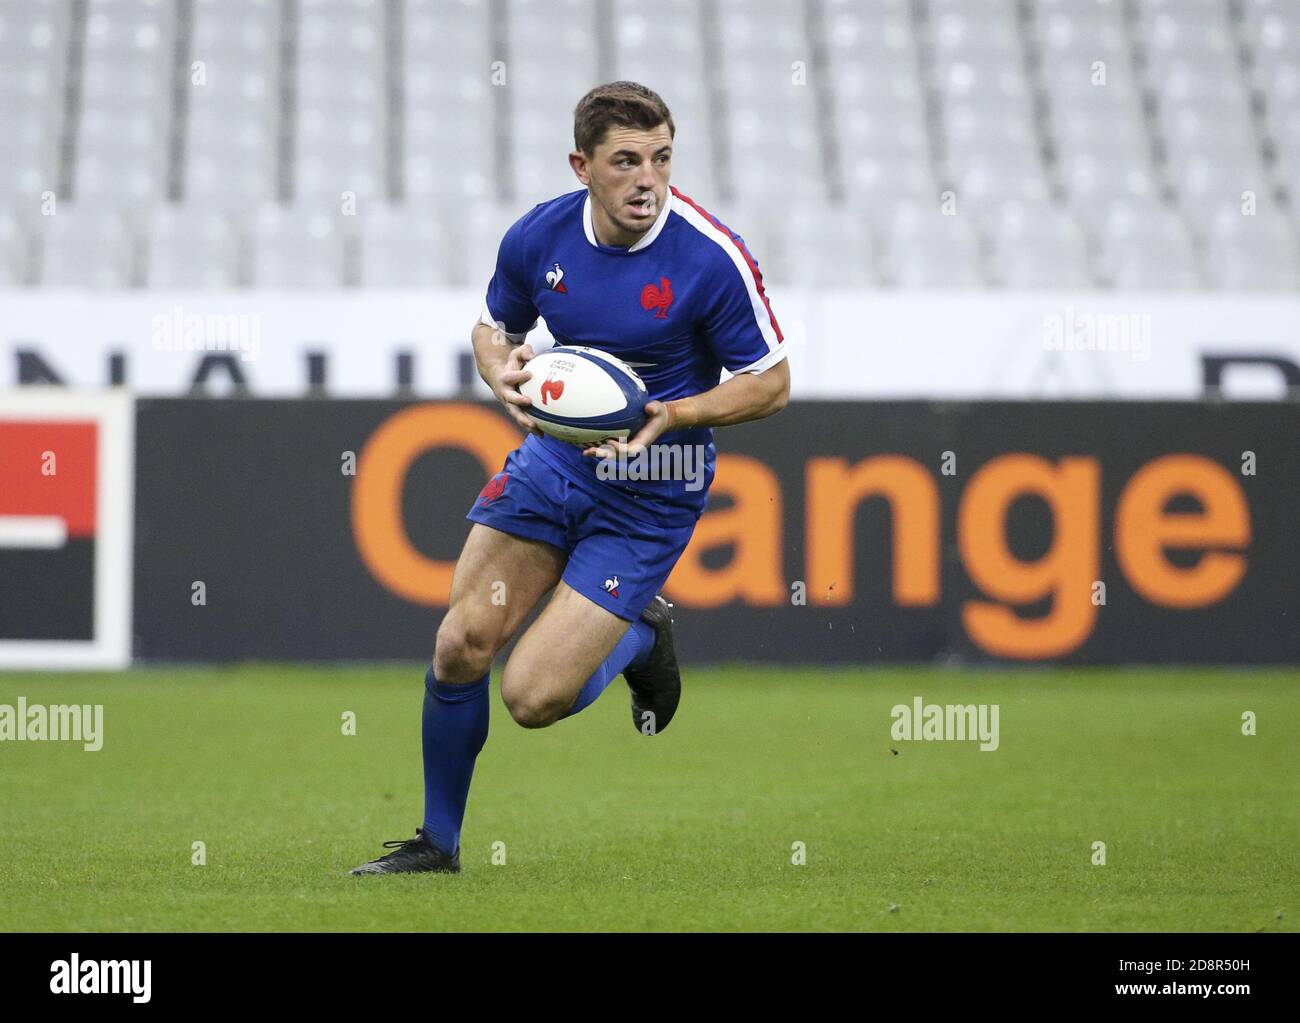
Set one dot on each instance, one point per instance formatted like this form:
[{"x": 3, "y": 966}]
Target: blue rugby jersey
[{"x": 686, "y": 300}]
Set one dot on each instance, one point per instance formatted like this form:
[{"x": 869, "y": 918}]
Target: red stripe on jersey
[{"x": 749, "y": 260}]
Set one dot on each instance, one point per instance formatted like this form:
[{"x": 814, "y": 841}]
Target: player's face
[{"x": 627, "y": 176}]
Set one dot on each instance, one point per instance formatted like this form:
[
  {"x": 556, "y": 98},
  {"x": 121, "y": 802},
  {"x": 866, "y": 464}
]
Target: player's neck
[{"x": 609, "y": 233}]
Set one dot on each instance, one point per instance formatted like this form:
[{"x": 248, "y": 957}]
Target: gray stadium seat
[
  {"x": 1071, "y": 34},
  {"x": 33, "y": 48},
  {"x": 1259, "y": 251},
  {"x": 1118, "y": 131},
  {"x": 811, "y": 245},
  {"x": 1091, "y": 180},
  {"x": 879, "y": 116},
  {"x": 233, "y": 123},
  {"x": 446, "y": 66},
  {"x": 989, "y": 178},
  {"x": 772, "y": 115},
  {"x": 975, "y": 32},
  {"x": 476, "y": 230},
  {"x": 84, "y": 247},
  {"x": 877, "y": 183},
  {"x": 662, "y": 48},
  {"x": 1037, "y": 245},
  {"x": 1205, "y": 128},
  {"x": 1145, "y": 245},
  {"x": 1204, "y": 182},
  {"x": 928, "y": 249},
  {"x": 297, "y": 247},
  {"x": 13, "y": 249},
  {"x": 191, "y": 247},
  {"x": 994, "y": 99},
  {"x": 341, "y": 140},
  {"x": 127, "y": 78},
  {"x": 1285, "y": 132},
  {"x": 403, "y": 246},
  {"x": 553, "y": 62}
]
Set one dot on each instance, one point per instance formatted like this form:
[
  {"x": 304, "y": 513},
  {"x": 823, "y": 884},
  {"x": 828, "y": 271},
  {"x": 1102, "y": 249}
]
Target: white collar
[{"x": 590, "y": 230}]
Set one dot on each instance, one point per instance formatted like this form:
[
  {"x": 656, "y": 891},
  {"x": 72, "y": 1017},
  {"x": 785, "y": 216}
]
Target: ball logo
[
  {"x": 552, "y": 388},
  {"x": 555, "y": 279},
  {"x": 658, "y": 298}
]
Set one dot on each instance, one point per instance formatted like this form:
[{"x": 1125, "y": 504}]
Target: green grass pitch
[{"x": 604, "y": 829}]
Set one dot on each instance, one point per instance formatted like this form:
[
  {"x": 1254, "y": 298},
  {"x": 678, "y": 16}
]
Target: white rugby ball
[{"x": 582, "y": 395}]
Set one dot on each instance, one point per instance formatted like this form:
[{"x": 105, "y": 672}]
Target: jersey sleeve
[
  {"x": 509, "y": 303},
  {"x": 739, "y": 325}
]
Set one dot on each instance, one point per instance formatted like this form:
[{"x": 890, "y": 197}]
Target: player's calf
[
  {"x": 533, "y": 700},
  {"x": 557, "y": 656},
  {"x": 537, "y": 692}
]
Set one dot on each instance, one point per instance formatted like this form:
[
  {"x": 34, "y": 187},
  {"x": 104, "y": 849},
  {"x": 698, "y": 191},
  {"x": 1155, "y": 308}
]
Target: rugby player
[{"x": 630, "y": 265}]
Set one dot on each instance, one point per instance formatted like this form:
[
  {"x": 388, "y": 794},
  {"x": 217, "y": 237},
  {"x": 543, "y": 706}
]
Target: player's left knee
[{"x": 532, "y": 708}]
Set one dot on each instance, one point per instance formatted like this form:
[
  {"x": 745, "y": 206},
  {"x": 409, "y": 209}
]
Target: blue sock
[
  {"x": 631, "y": 651},
  {"x": 454, "y": 730}
]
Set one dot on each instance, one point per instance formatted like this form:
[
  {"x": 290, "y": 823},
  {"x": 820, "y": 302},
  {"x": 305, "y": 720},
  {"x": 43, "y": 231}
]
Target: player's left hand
[{"x": 658, "y": 420}]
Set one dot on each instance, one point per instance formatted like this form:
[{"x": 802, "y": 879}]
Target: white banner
[{"x": 942, "y": 345}]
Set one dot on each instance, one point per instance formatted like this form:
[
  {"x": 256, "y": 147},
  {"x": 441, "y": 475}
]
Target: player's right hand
[{"x": 506, "y": 387}]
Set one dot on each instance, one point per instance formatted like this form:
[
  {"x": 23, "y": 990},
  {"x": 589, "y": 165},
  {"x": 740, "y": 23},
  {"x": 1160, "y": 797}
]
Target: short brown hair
[{"x": 626, "y": 104}]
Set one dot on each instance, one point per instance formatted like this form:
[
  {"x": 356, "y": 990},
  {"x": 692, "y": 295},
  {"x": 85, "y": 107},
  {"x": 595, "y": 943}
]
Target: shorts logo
[
  {"x": 493, "y": 489},
  {"x": 551, "y": 389},
  {"x": 555, "y": 280},
  {"x": 611, "y": 586},
  {"x": 658, "y": 298}
]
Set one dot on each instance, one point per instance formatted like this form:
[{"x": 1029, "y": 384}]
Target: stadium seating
[
  {"x": 232, "y": 125},
  {"x": 855, "y": 143}
]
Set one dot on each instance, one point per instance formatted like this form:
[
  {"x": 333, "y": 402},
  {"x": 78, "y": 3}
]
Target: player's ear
[{"x": 578, "y": 161}]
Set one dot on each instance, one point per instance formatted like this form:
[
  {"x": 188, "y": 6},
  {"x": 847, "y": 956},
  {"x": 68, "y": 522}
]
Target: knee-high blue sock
[
  {"x": 631, "y": 650},
  {"x": 455, "y": 729}
]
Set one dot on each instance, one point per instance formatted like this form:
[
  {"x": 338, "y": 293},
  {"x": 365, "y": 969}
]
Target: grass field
[{"x": 604, "y": 829}]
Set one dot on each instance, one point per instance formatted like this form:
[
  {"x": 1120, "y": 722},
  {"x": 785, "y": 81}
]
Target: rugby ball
[{"x": 583, "y": 395}]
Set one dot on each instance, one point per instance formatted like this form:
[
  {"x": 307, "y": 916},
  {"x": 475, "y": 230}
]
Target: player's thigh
[
  {"x": 498, "y": 580},
  {"x": 558, "y": 653}
]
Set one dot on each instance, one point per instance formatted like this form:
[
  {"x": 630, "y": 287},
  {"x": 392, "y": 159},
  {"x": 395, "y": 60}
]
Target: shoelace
[{"x": 398, "y": 843}]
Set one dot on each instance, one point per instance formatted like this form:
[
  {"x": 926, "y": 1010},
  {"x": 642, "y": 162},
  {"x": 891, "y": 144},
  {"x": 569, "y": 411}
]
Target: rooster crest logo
[
  {"x": 611, "y": 586},
  {"x": 659, "y": 298},
  {"x": 552, "y": 388},
  {"x": 493, "y": 489},
  {"x": 555, "y": 279}
]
